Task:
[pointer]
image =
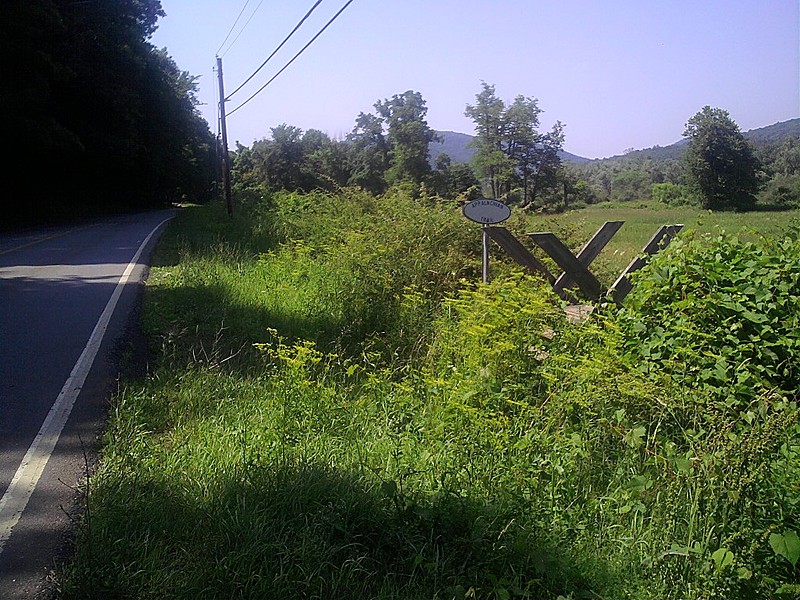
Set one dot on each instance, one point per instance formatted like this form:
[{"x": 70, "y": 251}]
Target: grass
[
  {"x": 337, "y": 411},
  {"x": 642, "y": 220}
]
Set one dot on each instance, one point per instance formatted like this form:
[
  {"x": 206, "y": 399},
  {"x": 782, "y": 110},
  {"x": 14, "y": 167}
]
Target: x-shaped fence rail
[{"x": 576, "y": 266}]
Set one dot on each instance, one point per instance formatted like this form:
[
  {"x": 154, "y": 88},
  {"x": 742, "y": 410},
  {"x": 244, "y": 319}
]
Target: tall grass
[{"x": 337, "y": 411}]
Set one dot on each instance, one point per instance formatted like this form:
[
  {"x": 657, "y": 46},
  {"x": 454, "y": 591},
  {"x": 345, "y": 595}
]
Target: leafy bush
[
  {"x": 782, "y": 191},
  {"x": 674, "y": 194},
  {"x": 720, "y": 317},
  {"x": 721, "y": 314}
]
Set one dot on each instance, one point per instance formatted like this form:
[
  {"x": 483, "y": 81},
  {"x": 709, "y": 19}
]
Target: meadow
[{"x": 336, "y": 408}]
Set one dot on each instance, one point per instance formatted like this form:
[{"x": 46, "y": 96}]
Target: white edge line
[{"x": 30, "y": 470}]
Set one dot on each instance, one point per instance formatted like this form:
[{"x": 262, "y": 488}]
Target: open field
[
  {"x": 643, "y": 220},
  {"x": 336, "y": 410}
]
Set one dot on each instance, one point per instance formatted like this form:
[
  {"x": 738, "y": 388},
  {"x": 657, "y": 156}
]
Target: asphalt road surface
[{"x": 67, "y": 296}]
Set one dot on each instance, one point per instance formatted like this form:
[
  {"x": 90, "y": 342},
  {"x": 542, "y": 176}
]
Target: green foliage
[
  {"x": 409, "y": 136},
  {"x": 510, "y": 152},
  {"x": 719, "y": 161},
  {"x": 384, "y": 149},
  {"x": 629, "y": 177},
  {"x": 630, "y": 185},
  {"x": 336, "y": 411},
  {"x": 673, "y": 194},
  {"x": 88, "y": 140},
  {"x": 782, "y": 192},
  {"x": 721, "y": 314},
  {"x": 454, "y": 180}
]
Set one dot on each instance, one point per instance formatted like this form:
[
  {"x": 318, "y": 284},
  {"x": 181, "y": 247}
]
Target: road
[{"x": 67, "y": 296}]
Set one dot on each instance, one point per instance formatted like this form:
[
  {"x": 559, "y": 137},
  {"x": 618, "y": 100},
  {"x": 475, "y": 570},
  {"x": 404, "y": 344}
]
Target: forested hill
[
  {"x": 758, "y": 137},
  {"x": 455, "y": 145},
  {"x": 98, "y": 119}
]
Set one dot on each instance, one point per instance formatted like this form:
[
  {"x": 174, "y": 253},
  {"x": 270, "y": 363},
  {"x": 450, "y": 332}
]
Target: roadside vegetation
[{"x": 336, "y": 409}]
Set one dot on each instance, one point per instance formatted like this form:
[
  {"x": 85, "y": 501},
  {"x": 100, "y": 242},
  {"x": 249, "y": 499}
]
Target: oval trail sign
[{"x": 486, "y": 211}]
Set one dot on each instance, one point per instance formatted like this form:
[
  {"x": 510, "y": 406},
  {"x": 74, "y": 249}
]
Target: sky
[{"x": 619, "y": 74}]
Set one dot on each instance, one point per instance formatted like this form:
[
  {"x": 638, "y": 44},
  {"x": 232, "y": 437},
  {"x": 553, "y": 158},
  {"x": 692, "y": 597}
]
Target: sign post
[
  {"x": 486, "y": 212},
  {"x": 485, "y": 232}
]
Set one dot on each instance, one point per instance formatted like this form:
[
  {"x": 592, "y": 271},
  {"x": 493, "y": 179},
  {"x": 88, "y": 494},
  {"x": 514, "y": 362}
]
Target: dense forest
[{"x": 100, "y": 120}]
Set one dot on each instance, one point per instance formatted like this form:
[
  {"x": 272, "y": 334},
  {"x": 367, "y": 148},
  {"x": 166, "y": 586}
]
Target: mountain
[
  {"x": 761, "y": 136},
  {"x": 453, "y": 144},
  {"x": 456, "y": 146},
  {"x": 774, "y": 133}
]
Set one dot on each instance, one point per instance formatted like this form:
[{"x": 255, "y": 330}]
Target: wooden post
[
  {"x": 622, "y": 286},
  {"x": 587, "y": 282},
  {"x": 590, "y": 251},
  {"x": 519, "y": 253},
  {"x": 226, "y": 160}
]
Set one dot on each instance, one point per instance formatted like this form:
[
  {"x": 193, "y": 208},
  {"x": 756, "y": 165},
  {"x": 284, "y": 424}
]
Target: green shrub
[
  {"x": 719, "y": 313},
  {"x": 674, "y": 194},
  {"x": 782, "y": 191}
]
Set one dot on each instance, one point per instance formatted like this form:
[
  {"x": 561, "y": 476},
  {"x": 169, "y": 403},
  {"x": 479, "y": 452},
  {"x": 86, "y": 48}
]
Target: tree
[
  {"x": 510, "y": 151},
  {"x": 324, "y": 160},
  {"x": 409, "y": 136},
  {"x": 102, "y": 120},
  {"x": 369, "y": 153},
  {"x": 541, "y": 163},
  {"x": 451, "y": 180},
  {"x": 720, "y": 163},
  {"x": 490, "y": 160},
  {"x": 391, "y": 146}
]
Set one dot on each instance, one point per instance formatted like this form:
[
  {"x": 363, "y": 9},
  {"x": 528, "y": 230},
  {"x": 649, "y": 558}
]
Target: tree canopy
[
  {"x": 720, "y": 163},
  {"x": 511, "y": 153},
  {"x": 385, "y": 148}
]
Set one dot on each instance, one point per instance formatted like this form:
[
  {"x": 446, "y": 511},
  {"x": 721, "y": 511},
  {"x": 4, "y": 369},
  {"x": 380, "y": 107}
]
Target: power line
[
  {"x": 250, "y": 18},
  {"x": 233, "y": 26},
  {"x": 296, "y": 27},
  {"x": 341, "y": 10}
]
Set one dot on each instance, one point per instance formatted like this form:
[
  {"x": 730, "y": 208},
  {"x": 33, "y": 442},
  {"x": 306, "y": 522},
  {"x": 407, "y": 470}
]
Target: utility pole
[{"x": 226, "y": 161}]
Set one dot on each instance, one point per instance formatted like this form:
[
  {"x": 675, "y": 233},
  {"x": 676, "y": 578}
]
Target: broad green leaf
[
  {"x": 722, "y": 557},
  {"x": 683, "y": 465},
  {"x": 754, "y": 317},
  {"x": 786, "y": 545}
]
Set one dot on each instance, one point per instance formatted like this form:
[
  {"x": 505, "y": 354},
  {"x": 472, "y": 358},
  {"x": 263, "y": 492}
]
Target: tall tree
[
  {"x": 511, "y": 153},
  {"x": 103, "y": 120},
  {"x": 409, "y": 136},
  {"x": 491, "y": 161},
  {"x": 720, "y": 163},
  {"x": 539, "y": 164},
  {"x": 369, "y": 153}
]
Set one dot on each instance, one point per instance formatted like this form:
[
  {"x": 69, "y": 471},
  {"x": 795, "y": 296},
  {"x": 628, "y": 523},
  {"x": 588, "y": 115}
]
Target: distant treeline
[
  {"x": 99, "y": 120},
  {"x": 716, "y": 167},
  {"x": 390, "y": 147}
]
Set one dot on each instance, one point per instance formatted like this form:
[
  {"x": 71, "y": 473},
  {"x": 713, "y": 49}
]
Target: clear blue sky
[{"x": 618, "y": 73}]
